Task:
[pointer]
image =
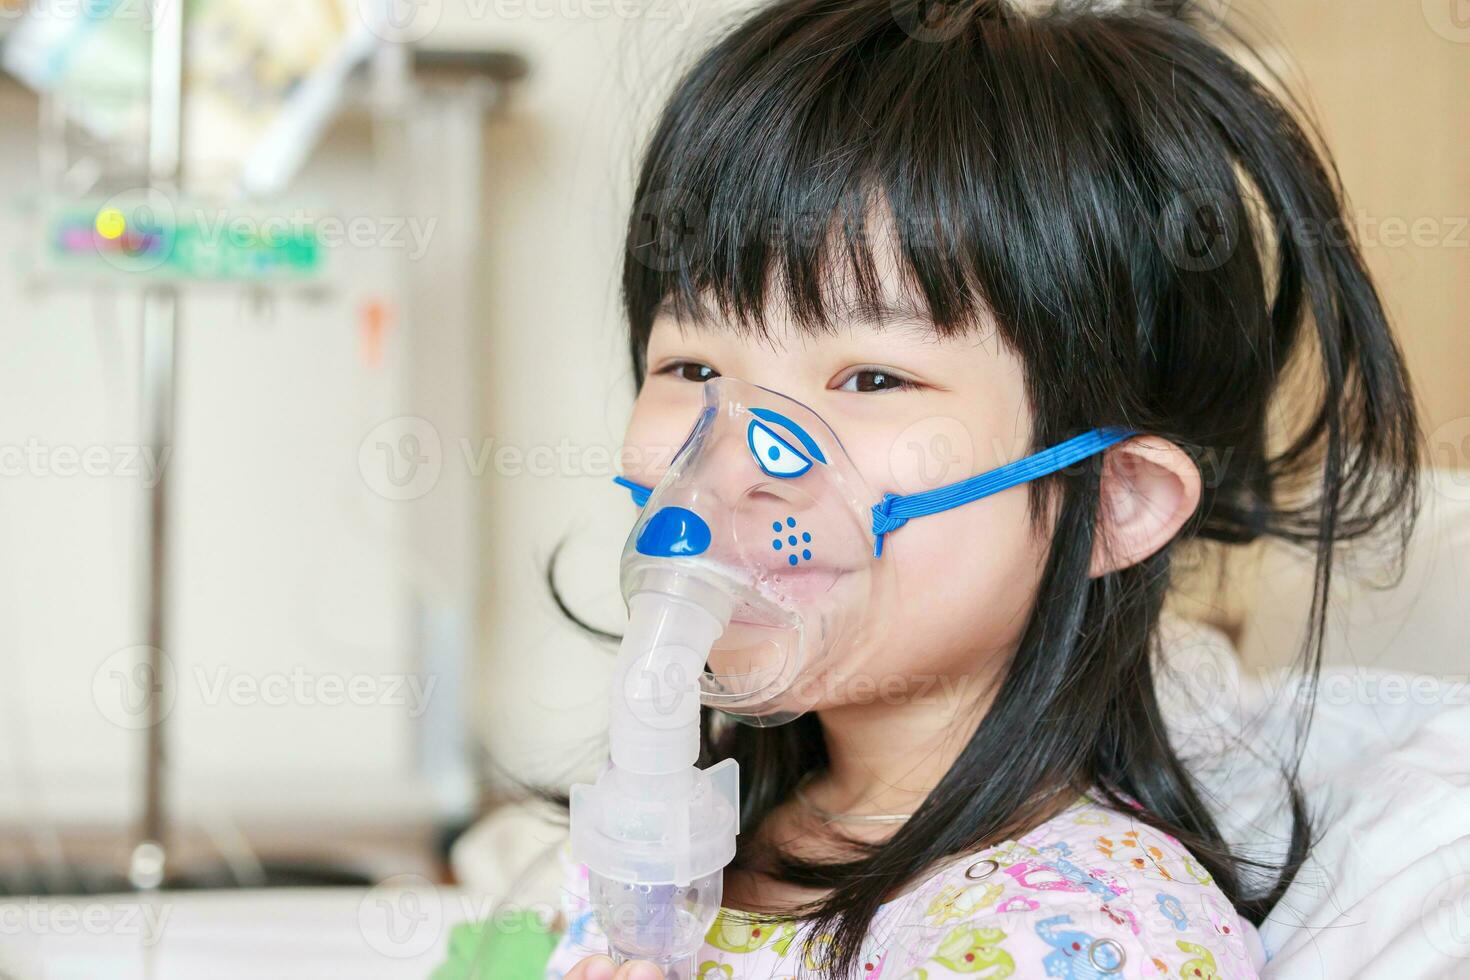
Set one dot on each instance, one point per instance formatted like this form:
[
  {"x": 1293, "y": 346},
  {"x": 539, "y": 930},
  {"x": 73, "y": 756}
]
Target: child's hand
[{"x": 601, "y": 968}]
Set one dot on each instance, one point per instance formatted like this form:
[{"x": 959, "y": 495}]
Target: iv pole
[
  {"x": 464, "y": 84},
  {"x": 148, "y": 863}
]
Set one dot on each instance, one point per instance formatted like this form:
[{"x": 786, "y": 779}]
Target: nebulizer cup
[{"x": 751, "y": 562}]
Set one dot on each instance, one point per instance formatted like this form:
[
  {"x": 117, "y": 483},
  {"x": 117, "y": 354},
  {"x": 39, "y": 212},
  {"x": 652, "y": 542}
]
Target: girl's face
[{"x": 914, "y": 411}]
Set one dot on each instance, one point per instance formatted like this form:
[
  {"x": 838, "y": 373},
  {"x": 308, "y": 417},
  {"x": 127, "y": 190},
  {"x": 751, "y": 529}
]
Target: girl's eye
[
  {"x": 875, "y": 379},
  {"x": 690, "y": 371}
]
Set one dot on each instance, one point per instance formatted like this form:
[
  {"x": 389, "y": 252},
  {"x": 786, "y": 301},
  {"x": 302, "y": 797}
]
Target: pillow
[
  {"x": 1387, "y": 780},
  {"x": 512, "y": 852}
]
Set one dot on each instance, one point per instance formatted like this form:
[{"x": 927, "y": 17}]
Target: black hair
[{"x": 1157, "y": 237}]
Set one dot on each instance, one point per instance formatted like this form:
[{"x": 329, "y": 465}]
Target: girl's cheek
[
  {"x": 656, "y": 430},
  {"x": 926, "y": 453},
  {"x": 966, "y": 581},
  {"x": 966, "y": 578}
]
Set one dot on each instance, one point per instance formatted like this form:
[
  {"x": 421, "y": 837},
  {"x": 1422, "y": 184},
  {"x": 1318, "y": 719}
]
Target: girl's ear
[{"x": 1150, "y": 487}]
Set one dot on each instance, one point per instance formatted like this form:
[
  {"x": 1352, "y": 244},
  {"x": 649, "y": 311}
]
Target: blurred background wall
[{"x": 1387, "y": 82}]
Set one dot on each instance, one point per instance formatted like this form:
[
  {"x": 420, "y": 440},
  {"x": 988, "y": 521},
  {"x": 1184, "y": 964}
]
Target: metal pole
[{"x": 160, "y": 325}]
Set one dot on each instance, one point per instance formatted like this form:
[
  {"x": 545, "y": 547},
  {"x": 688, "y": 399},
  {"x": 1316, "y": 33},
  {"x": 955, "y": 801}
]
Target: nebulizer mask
[{"x": 753, "y": 571}]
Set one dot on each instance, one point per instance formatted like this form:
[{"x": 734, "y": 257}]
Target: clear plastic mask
[
  {"x": 763, "y": 503},
  {"x": 763, "y": 506}
]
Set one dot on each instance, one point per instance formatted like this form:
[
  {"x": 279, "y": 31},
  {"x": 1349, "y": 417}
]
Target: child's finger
[
  {"x": 639, "y": 970},
  {"x": 592, "y": 968}
]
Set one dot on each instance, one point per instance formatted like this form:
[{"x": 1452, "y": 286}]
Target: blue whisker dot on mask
[
  {"x": 806, "y": 553},
  {"x": 791, "y": 522},
  {"x": 776, "y": 544},
  {"x": 775, "y": 525},
  {"x": 791, "y": 559},
  {"x": 791, "y": 539},
  {"x": 806, "y": 536}
]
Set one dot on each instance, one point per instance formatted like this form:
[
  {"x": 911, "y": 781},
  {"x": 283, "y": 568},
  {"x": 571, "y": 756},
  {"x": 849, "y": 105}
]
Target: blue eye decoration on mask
[
  {"x": 773, "y": 454},
  {"x": 801, "y": 435}
]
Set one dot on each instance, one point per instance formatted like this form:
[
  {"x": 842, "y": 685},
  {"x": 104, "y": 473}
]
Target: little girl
[{"x": 963, "y": 233}]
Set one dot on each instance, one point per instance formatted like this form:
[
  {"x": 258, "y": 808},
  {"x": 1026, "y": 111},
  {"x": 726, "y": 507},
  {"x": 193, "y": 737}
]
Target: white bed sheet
[{"x": 395, "y": 931}]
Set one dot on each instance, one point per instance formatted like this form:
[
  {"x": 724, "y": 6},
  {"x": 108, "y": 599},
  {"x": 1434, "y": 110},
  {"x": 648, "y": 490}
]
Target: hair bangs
[{"x": 782, "y": 182}]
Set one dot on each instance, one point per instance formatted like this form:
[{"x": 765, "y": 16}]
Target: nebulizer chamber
[
  {"x": 656, "y": 831},
  {"x": 750, "y": 562}
]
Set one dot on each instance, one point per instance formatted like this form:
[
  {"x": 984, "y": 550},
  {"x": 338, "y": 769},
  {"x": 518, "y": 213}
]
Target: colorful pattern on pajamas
[{"x": 1091, "y": 894}]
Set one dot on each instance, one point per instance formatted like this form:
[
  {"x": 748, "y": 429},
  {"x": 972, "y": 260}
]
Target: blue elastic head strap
[
  {"x": 896, "y": 510},
  {"x": 639, "y": 491}
]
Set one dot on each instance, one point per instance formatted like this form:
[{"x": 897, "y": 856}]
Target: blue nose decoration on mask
[
  {"x": 673, "y": 532},
  {"x": 670, "y": 531}
]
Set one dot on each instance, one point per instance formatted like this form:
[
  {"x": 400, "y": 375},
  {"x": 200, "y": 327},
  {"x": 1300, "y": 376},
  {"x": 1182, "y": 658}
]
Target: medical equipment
[
  {"x": 754, "y": 568},
  {"x": 133, "y": 216}
]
